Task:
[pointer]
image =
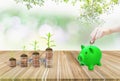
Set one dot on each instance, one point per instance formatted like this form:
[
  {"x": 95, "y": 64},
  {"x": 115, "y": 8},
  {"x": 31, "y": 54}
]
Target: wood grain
[{"x": 65, "y": 68}]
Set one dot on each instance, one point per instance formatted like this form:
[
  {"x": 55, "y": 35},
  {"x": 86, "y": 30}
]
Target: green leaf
[
  {"x": 66, "y": 1},
  {"x": 17, "y": 1},
  {"x": 44, "y": 38},
  {"x": 74, "y": 2},
  {"x": 52, "y": 45},
  {"x": 115, "y": 1},
  {"x": 28, "y": 6}
]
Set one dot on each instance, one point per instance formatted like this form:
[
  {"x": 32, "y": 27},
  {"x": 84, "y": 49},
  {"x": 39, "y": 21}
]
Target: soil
[
  {"x": 35, "y": 53},
  {"x": 23, "y": 55},
  {"x": 49, "y": 49}
]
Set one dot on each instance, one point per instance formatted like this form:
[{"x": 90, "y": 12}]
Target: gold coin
[{"x": 92, "y": 42}]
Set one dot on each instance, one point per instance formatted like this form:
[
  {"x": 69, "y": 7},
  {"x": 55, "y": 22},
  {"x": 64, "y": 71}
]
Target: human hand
[{"x": 99, "y": 32}]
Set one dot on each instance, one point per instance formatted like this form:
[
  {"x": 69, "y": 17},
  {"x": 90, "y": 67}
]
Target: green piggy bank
[{"x": 90, "y": 56}]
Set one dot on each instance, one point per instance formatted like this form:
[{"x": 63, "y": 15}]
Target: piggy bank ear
[
  {"x": 82, "y": 46},
  {"x": 91, "y": 50}
]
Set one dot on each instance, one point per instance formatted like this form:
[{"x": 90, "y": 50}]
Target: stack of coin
[
  {"x": 12, "y": 62},
  {"x": 24, "y": 60},
  {"x": 49, "y": 57},
  {"x": 35, "y": 59}
]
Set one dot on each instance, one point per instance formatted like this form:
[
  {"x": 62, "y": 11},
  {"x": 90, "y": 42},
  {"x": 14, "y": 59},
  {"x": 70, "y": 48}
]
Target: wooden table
[{"x": 65, "y": 68}]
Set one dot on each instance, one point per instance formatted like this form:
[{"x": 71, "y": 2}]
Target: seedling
[
  {"x": 35, "y": 45},
  {"x": 24, "y": 48},
  {"x": 50, "y": 42},
  {"x": 24, "y": 58},
  {"x": 35, "y": 54},
  {"x": 49, "y": 51}
]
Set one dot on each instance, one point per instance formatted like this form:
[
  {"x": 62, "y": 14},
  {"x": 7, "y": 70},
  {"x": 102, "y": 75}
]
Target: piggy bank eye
[{"x": 86, "y": 53}]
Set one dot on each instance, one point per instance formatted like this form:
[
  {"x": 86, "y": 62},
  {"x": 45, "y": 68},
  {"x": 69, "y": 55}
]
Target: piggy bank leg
[
  {"x": 91, "y": 67},
  {"x": 82, "y": 64},
  {"x": 99, "y": 64}
]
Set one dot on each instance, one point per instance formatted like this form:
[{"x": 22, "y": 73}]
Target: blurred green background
[{"x": 20, "y": 26}]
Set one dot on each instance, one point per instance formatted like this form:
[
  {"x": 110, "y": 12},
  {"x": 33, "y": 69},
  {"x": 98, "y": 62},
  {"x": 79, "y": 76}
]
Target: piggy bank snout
[{"x": 80, "y": 58}]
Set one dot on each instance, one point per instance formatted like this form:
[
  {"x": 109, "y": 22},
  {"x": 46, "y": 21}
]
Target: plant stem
[
  {"x": 48, "y": 41},
  {"x": 35, "y": 45},
  {"x": 24, "y": 48}
]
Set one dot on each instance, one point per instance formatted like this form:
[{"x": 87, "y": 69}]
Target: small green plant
[
  {"x": 50, "y": 42},
  {"x": 24, "y": 47},
  {"x": 35, "y": 45}
]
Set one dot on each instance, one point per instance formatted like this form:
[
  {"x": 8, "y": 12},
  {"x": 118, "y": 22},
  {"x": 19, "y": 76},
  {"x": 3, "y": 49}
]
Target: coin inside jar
[{"x": 92, "y": 42}]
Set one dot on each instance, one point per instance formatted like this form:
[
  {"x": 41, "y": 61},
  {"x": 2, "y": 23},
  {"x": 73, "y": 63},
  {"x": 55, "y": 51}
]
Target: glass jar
[
  {"x": 24, "y": 60},
  {"x": 12, "y": 62},
  {"x": 35, "y": 59}
]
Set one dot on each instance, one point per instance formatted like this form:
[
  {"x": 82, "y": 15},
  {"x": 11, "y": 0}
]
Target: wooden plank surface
[{"x": 65, "y": 68}]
